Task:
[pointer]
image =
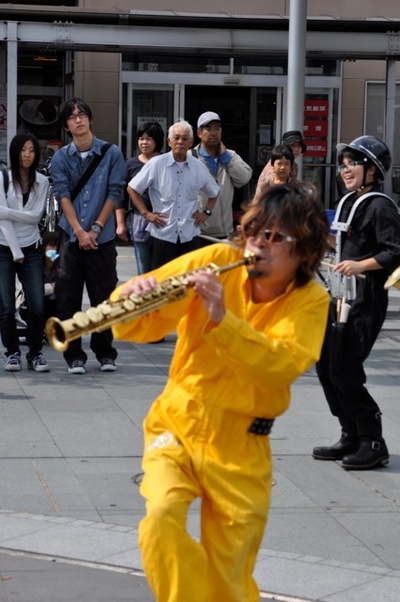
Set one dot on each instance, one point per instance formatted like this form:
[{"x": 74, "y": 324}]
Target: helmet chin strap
[{"x": 364, "y": 183}]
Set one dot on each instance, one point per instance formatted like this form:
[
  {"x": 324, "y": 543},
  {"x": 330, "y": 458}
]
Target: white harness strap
[
  {"x": 345, "y": 286},
  {"x": 344, "y": 226}
]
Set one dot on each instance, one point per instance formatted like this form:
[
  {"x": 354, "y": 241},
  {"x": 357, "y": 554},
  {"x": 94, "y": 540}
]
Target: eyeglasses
[
  {"x": 75, "y": 116},
  {"x": 277, "y": 238},
  {"x": 349, "y": 165}
]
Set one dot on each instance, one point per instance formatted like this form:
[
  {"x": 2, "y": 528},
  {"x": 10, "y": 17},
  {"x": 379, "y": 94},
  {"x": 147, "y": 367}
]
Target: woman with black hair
[
  {"x": 20, "y": 252},
  {"x": 150, "y": 140}
]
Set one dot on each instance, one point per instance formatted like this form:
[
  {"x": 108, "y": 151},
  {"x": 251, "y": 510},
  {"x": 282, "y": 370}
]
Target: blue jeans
[
  {"x": 142, "y": 256},
  {"x": 30, "y": 274}
]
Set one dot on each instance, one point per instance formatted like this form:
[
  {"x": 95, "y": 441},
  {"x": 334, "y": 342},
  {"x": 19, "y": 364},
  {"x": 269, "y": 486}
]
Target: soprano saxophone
[{"x": 60, "y": 333}]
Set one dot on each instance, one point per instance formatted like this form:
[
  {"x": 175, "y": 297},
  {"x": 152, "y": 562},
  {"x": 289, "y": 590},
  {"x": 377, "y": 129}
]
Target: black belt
[
  {"x": 261, "y": 426},
  {"x": 28, "y": 249},
  {"x": 31, "y": 248}
]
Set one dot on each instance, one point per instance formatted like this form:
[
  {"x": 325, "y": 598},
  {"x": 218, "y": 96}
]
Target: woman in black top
[{"x": 150, "y": 140}]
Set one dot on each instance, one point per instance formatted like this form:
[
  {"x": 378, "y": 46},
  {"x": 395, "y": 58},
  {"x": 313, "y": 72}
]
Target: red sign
[
  {"x": 315, "y": 128},
  {"x": 316, "y": 148},
  {"x": 316, "y": 108}
]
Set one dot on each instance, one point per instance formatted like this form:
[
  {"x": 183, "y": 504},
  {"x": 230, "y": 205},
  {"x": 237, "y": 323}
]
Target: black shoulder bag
[
  {"x": 86, "y": 175},
  {"x": 6, "y": 179}
]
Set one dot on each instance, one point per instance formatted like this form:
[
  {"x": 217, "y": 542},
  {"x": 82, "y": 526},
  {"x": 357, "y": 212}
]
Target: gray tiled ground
[{"x": 69, "y": 446}]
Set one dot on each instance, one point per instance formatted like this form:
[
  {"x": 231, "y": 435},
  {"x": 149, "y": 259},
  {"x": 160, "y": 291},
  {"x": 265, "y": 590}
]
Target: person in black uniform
[{"x": 368, "y": 252}]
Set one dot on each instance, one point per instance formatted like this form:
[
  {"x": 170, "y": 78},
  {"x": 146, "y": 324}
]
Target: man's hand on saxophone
[
  {"x": 139, "y": 286},
  {"x": 211, "y": 291},
  {"x": 205, "y": 283}
]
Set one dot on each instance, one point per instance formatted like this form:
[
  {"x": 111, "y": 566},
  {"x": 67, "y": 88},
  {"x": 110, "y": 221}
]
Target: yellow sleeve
[
  {"x": 159, "y": 323},
  {"x": 153, "y": 326},
  {"x": 279, "y": 353}
]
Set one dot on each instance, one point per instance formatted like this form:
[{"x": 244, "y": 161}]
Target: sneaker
[
  {"x": 13, "y": 362},
  {"x": 77, "y": 367},
  {"x": 107, "y": 365},
  {"x": 38, "y": 363}
]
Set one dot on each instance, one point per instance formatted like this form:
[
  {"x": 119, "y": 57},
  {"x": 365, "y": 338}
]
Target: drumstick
[{"x": 332, "y": 265}]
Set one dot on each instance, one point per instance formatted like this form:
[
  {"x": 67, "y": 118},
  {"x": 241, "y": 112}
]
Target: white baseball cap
[{"x": 206, "y": 118}]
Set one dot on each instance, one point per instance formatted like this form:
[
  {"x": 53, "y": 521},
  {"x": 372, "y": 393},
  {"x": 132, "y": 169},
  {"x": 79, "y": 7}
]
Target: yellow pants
[{"x": 230, "y": 470}]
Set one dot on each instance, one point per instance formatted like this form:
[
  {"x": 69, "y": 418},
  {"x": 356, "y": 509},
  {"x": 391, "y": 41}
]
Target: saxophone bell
[{"x": 56, "y": 334}]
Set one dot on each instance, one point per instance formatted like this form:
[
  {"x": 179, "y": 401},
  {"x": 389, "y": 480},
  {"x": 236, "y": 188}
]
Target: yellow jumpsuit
[{"x": 196, "y": 433}]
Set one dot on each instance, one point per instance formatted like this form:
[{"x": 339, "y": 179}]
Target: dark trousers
[
  {"x": 30, "y": 274},
  {"x": 341, "y": 372},
  {"x": 97, "y": 270},
  {"x": 162, "y": 251}
]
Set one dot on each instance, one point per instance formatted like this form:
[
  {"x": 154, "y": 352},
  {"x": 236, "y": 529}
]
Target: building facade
[{"x": 132, "y": 64}]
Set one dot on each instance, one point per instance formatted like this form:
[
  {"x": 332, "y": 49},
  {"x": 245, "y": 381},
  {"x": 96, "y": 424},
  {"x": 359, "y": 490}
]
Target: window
[{"x": 375, "y": 115}]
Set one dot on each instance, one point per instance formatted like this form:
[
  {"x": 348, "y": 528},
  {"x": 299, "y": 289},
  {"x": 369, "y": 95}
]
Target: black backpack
[{"x": 6, "y": 179}]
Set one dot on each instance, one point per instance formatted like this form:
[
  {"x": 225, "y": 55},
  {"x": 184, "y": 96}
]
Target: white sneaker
[
  {"x": 13, "y": 362},
  {"x": 38, "y": 363},
  {"x": 77, "y": 367},
  {"x": 107, "y": 365}
]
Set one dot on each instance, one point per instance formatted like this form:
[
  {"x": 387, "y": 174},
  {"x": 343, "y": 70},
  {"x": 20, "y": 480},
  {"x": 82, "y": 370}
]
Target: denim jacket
[{"x": 107, "y": 182}]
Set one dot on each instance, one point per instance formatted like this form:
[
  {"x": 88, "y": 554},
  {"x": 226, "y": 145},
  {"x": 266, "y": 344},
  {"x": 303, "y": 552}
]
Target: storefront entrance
[
  {"x": 249, "y": 116},
  {"x": 252, "y": 120}
]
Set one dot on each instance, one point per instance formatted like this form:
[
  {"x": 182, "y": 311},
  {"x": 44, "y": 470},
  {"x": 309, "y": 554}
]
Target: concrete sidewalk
[{"x": 69, "y": 509}]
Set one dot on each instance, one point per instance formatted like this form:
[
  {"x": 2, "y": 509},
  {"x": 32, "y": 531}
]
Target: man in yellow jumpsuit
[{"x": 243, "y": 338}]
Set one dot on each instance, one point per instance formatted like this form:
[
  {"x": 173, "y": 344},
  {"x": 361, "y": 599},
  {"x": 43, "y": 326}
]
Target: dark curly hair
[{"x": 296, "y": 209}]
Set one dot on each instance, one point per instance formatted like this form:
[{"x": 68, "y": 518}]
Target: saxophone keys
[
  {"x": 81, "y": 319},
  {"x": 105, "y": 308},
  {"x": 128, "y": 304},
  {"x": 94, "y": 314},
  {"x": 137, "y": 300}
]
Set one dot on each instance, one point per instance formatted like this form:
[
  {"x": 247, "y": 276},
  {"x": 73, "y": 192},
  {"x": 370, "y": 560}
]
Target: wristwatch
[
  {"x": 207, "y": 212},
  {"x": 96, "y": 228}
]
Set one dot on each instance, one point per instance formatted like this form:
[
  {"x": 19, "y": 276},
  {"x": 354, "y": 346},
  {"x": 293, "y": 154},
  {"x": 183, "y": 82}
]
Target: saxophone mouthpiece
[{"x": 250, "y": 258}]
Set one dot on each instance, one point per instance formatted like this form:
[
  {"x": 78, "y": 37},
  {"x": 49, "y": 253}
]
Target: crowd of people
[{"x": 243, "y": 332}]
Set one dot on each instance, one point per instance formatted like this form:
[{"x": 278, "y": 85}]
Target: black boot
[
  {"x": 348, "y": 444},
  {"x": 370, "y": 455}
]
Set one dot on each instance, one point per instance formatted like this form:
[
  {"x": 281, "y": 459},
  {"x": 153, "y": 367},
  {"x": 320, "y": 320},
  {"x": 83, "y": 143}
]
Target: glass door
[
  {"x": 233, "y": 106},
  {"x": 141, "y": 103}
]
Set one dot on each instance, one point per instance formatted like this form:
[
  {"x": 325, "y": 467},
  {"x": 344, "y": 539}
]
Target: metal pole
[
  {"x": 296, "y": 66},
  {"x": 389, "y": 115},
  {"x": 12, "y": 59}
]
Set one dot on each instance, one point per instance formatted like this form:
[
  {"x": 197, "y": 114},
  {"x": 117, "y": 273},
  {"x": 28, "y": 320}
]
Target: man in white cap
[{"x": 226, "y": 167}]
